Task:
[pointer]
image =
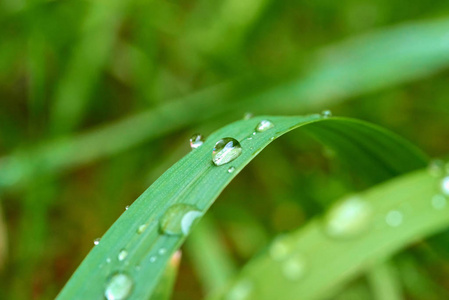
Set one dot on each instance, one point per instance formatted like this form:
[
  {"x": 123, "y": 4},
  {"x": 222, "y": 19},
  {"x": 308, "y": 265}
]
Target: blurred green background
[{"x": 99, "y": 98}]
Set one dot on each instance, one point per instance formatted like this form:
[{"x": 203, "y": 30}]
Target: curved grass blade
[
  {"x": 402, "y": 211},
  {"x": 422, "y": 52},
  {"x": 197, "y": 182}
]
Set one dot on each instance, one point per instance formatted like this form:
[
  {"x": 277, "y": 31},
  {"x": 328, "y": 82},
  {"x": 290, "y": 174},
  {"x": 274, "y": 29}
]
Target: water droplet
[
  {"x": 196, "y": 141},
  {"x": 436, "y": 168},
  {"x": 153, "y": 259},
  {"x": 240, "y": 291},
  {"x": 141, "y": 228},
  {"x": 226, "y": 150},
  {"x": 108, "y": 260},
  {"x": 445, "y": 185},
  {"x": 178, "y": 219},
  {"x": 249, "y": 138},
  {"x": 264, "y": 125},
  {"x": 97, "y": 241},
  {"x": 122, "y": 254},
  {"x": 126, "y": 207},
  {"x": 247, "y": 116},
  {"x": 294, "y": 267},
  {"x": 118, "y": 287},
  {"x": 279, "y": 249},
  {"x": 138, "y": 268},
  {"x": 394, "y": 218},
  {"x": 348, "y": 218},
  {"x": 272, "y": 138},
  {"x": 162, "y": 251},
  {"x": 439, "y": 202},
  {"x": 326, "y": 113},
  {"x": 231, "y": 169}
]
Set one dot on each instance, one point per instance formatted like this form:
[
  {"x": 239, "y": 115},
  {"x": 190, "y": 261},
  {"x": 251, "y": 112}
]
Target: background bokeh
[{"x": 99, "y": 98}]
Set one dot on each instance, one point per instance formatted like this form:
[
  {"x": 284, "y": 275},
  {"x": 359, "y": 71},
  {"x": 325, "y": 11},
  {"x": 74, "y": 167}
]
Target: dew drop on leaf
[
  {"x": 439, "y": 202},
  {"x": 264, "y": 125},
  {"x": 126, "y": 207},
  {"x": 279, "y": 249},
  {"x": 240, "y": 290},
  {"x": 348, "y": 218},
  {"x": 118, "y": 286},
  {"x": 294, "y": 267},
  {"x": 326, "y": 113},
  {"x": 225, "y": 151},
  {"x": 153, "y": 259},
  {"x": 436, "y": 167},
  {"x": 122, "y": 254},
  {"x": 231, "y": 169},
  {"x": 162, "y": 251},
  {"x": 247, "y": 116},
  {"x": 178, "y": 219},
  {"x": 141, "y": 228},
  {"x": 196, "y": 141},
  {"x": 97, "y": 241},
  {"x": 394, "y": 218}
]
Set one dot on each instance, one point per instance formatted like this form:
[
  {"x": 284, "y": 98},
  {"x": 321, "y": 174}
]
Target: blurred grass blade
[
  {"x": 384, "y": 282},
  {"x": 190, "y": 187},
  {"x": 3, "y": 240},
  {"x": 164, "y": 288},
  {"x": 418, "y": 54},
  {"x": 212, "y": 263},
  {"x": 401, "y": 212}
]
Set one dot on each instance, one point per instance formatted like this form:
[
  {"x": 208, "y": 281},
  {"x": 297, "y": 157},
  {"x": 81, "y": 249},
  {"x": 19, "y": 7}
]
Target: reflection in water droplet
[
  {"x": 326, "y": 113},
  {"x": 240, "y": 291},
  {"x": 445, "y": 185},
  {"x": 231, "y": 169},
  {"x": 122, "y": 254},
  {"x": 394, "y": 218},
  {"x": 141, "y": 228},
  {"x": 279, "y": 249},
  {"x": 226, "y": 150},
  {"x": 196, "y": 141},
  {"x": 97, "y": 241},
  {"x": 348, "y": 218},
  {"x": 436, "y": 168},
  {"x": 247, "y": 116},
  {"x": 264, "y": 125},
  {"x": 294, "y": 267},
  {"x": 439, "y": 202},
  {"x": 118, "y": 287},
  {"x": 178, "y": 219}
]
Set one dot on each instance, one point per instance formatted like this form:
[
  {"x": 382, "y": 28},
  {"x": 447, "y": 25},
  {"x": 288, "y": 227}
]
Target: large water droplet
[
  {"x": 279, "y": 249},
  {"x": 97, "y": 241},
  {"x": 196, "y": 140},
  {"x": 348, "y": 218},
  {"x": 394, "y": 218},
  {"x": 264, "y": 125},
  {"x": 118, "y": 287},
  {"x": 122, "y": 254},
  {"x": 294, "y": 267},
  {"x": 326, "y": 113},
  {"x": 178, "y": 219},
  {"x": 226, "y": 150},
  {"x": 445, "y": 185},
  {"x": 439, "y": 202},
  {"x": 240, "y": 291}
]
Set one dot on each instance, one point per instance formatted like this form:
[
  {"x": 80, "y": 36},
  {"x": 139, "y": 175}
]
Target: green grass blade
[
  {"x": 194, "y": 180},
  {"x": 421, "y": 53},
  {"x": 384, "y": 282},
  {"x": 164, "y": 288},
  {"x": 330, "y": 262}
]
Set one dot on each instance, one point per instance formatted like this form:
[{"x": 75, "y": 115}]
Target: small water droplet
[
  {"x": 178, "y": 219},
  {"x": 108, "y": 260},
  {"x": 97, "y": 241},
  {"x": 142, "y": 228},
  {"x": 240, "y": 291},
  {"x": 436, "y": 168},
  {"x": 162, "y": 251},
  {"x": 122, "y": 254},
  {"x": 249, "y": 138},
  {"x": 196, "y": 141},
  {"x": 394, "y": 218},
  {"x": 226, "y": 150},
  {"x": 294, "y": 267},
  {"x": 231, "y": 169},
  {"x": 326, "y": 113},
  {"x": 247, "y": 116},
  {"x": 118, "y": 287},
  {"x": 445, "y": 185},
  {"x": 279, "y": 249},
  {"x": 264, "y": 125},
  {"x": 348, "y": 218},
  {"x": 439, "y": 202},
  {"x": 272, "y": 138},
  {"x": 126, "y": 207},
  {"x": 153, "y": 259}
]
